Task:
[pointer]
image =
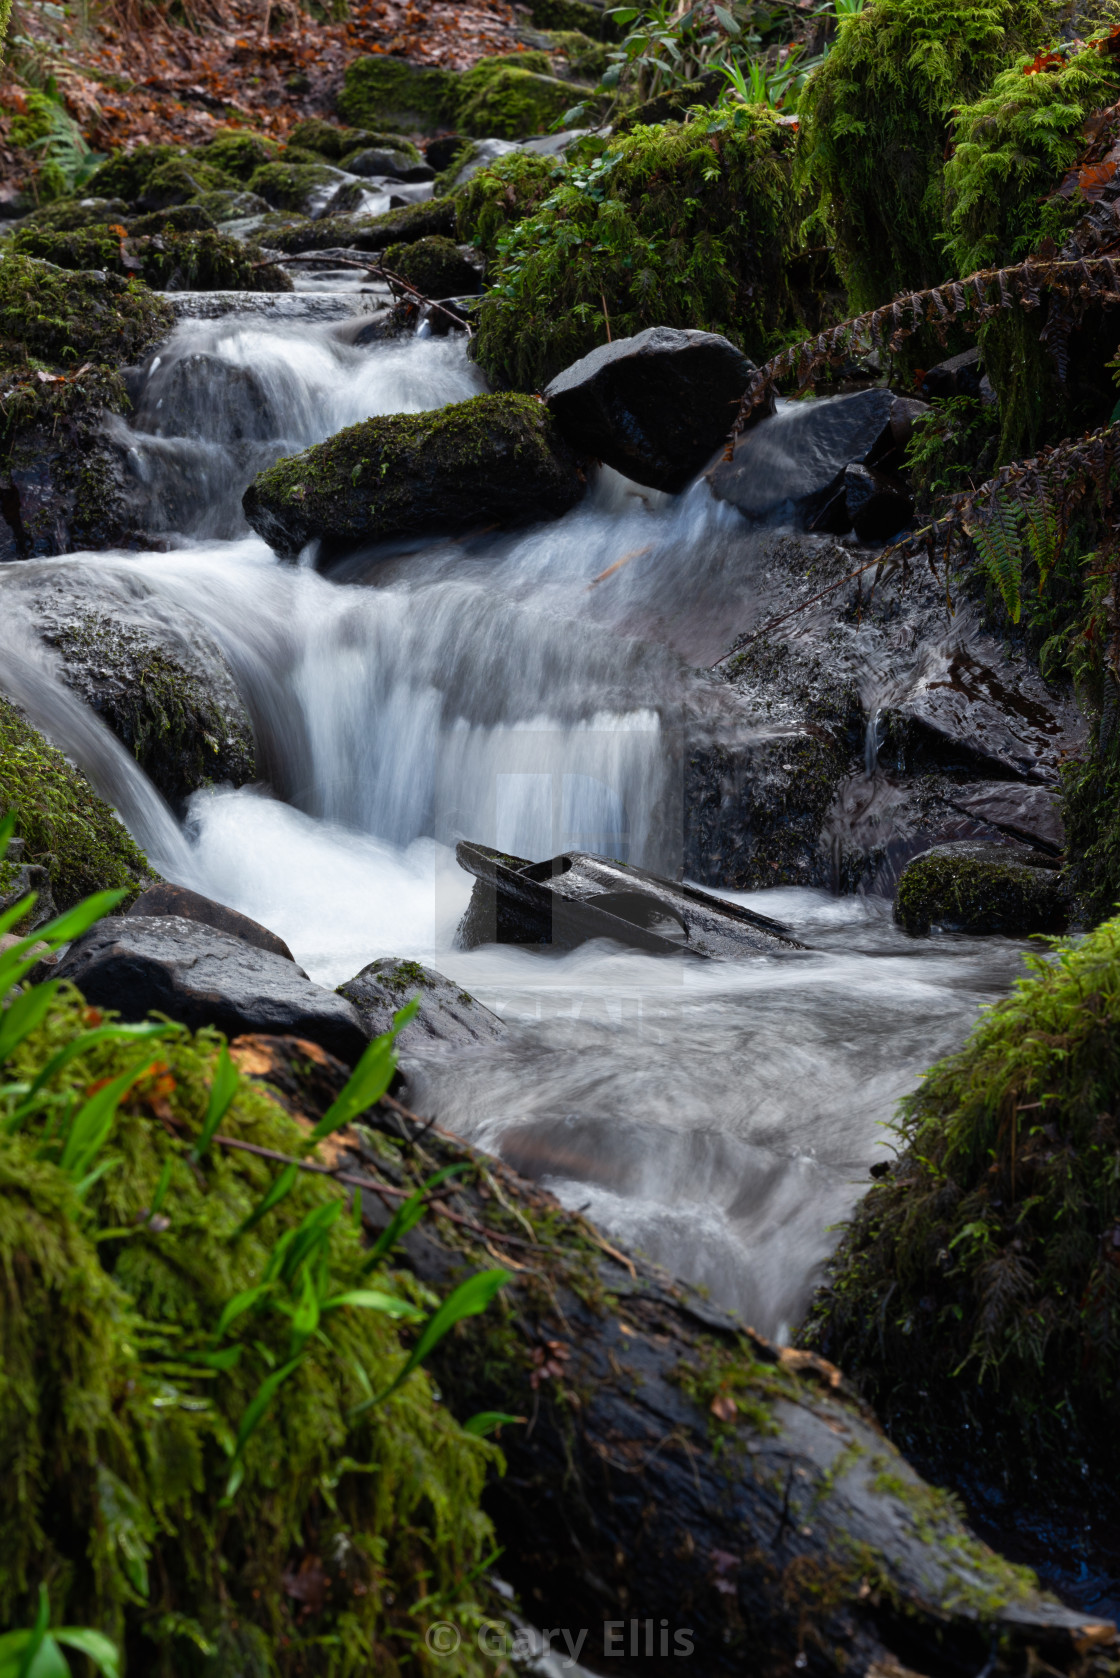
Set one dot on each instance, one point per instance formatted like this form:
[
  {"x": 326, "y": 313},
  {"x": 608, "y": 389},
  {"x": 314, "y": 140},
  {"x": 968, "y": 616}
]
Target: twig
[{"x": 372, "y": 268}]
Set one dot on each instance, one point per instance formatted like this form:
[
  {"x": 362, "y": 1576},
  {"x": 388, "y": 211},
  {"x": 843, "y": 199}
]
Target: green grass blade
[
  {"x": 486, "y": 1422},
  {"x": 369, "y": 1079},
  {"x": 70, "y": 925},
  {"x": 94, "y": 1646},
  {"x": 90, "y": 1128},
  {"x": 23, "y": 1014},
  {"x": 239, "y": 1304},
  {"x": 36, "y": 1635},
  {"x": 372, "y": 1299},
  {"x": 254, "y": 1414},
  {"x": 222, "y": 1091},
  {"x": 283, "y": 1186},
  {"x": 469, "y": 1300},
  {"x": 406, "y": 1217},
  {"x": 305, "y": 1317}
]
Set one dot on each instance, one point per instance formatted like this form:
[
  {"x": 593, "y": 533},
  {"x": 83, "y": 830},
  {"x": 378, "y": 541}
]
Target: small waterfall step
[{"x": 290, "y": 307}]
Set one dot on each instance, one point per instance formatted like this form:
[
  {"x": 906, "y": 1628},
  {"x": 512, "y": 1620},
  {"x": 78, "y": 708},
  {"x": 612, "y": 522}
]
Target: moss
[
  {"x": 976, "y": 1292},
  {"x": 65, "y": 827},
  {"x": 69, "y": 213},
  {"x": 115, "y": 1445},
  {"x": 586, "y": 60},
  {"x": 292, "y": 186},
  {"x": 969, "y": 888},
  {"x": 180, "y": 218},
  {"x": 512, "y": 96},
  {"x": 228, "y": 206},
  {"x": 575, "y": 15},
  {"x": 435, "y": 267},
  {"x": 169, "y": 261},
  {"x": 953, "y": 448},
  {"x": 329, "y": 140},
  {"x": 732, "y": 1387},
  {"x": 369, "y": 233},
  {"x": 876, "y": 120},
  {"x": 673, "y": 103},
  {"x": 1091, "y": 815},
  {"x": 671, "y": 226},
  {"x": 238, "y": 153},
  {"x": 126, "y": 174},
  {"x": 66, "y": 319},
  {"x": 502, "y": 194},
  {"x": 383, "y": 92},
  {"x": 85, "y": 247}
]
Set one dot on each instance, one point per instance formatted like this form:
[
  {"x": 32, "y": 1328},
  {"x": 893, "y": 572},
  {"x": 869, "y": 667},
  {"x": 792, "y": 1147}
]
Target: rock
[
  {"x": 230, "y": 206},
  {"x": 17, "y": 879},
  {"x": 981, "y": 888},
  {"x": 238, "y": 153},
  {"x": 180, "y": 218},
  {"x": 791, "y": 465},
  {"x": 163, "y": 687},
  {"x": 368, "y": 233},
  {"x": 436, "y": 267},
  {"x": 495, "y": 460},
  {"x": 303, "y": 188},
  {"x": 1033, "y": 814},
  {"x": 656, "y": 407},
  {"x": 469, "y": 156},
  {"x": 449, "y": 1017},
  {"x": 878, "y": 505},
  {"x": 500, "y": 97},
  {"x": 380, "y": 91},
  {"x": 201, "y": 976},
  {"x": 334, "y": 142},
  {"x": 959, "y": 375},
  {"x": 179, "y": 180},
  {"x": 392, "y": 165},
  {"x": 168, "y": 899}
]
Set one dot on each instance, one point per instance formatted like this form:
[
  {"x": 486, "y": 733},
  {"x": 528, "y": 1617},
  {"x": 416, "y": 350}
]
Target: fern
[
  {"x": 1044, "y": 536},
  {"x": 999, "y": 542}
]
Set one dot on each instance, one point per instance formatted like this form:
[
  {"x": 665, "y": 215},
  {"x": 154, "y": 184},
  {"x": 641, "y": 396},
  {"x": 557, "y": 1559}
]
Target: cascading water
[{"x": 529, "y": 691}]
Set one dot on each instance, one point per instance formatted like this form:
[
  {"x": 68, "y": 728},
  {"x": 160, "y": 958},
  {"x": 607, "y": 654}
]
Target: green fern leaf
[{"x": 999, "y": 542}]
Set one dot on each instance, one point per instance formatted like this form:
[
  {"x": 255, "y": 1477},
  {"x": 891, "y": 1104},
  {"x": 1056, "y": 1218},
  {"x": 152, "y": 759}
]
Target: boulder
[
  {"x": 656, "y": 407},
  {"x": 335, "y": 142},
  {"x": 167, "y": 899},
  {"x": 435, "y": 266},
  {"x": 981, "y": 888},
  {"x": 375, "y": 163},
  {"x": 201, "y": 976},
  {"x": 303, "y": 188},
  {"x": 368, "y": 233},
  {"x": 1031, "y": 814},
  {"x": 386, "y": 92},
  {"x": 495, "y": 460},
  {"x": 790, "y": 467},
  {"x": 878, "y": 505},
  {"x": 449, "y": 1017},
  {"x": 497, "y": 96}
]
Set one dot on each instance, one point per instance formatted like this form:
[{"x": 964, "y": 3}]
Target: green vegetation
[
  {"x": 670, "y": 226},
  {"x": 237, "y": 152},
  {"x": 292, "y": 186},
  {"x": 497, "y": 197},
  {"x": 512, "y": 97},
  {"x": 126, "y": 174},
  {"x": 329, "y": 140},
  {"x": 876, "y": 120},
  {"x": 435, "y": 267},
  {"x": 978, "y": 894},
  {"x": 987, "y": 1260},
  {"x": 953, "y": 448},
  {"x": 65, "y": 319},
  {"x": 383, "y": 92},
  {"x": 65, "y": 827},
  {"x": 168, "y": 261}
]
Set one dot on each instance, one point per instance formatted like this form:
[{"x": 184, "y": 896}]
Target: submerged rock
[
  {"x": 167, "y": 899},
  {"x": 656, "y": 407},
  {"x": 201, "y": 976},
  {"x": 981, "y": 888},
  {"x": 495, "y": 460},
  {"x": 374, "y": 162},
  {"x": 449, "y": 1017}
]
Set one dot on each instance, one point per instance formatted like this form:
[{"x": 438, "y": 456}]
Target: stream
[{"x": 721, "y": 1117}]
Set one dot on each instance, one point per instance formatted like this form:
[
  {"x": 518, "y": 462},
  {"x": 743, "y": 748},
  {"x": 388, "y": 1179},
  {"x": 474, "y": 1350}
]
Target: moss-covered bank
[
  {"x": 976, "y": 1293},
  {"x": 65, "y": 827},
  {"x": 169, "y": 260},
  {"x": 671, "y": 226},
  {"x": 64, "y": 319}
]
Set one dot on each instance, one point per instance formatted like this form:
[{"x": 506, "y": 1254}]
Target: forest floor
[{"x": 131, "y": 73}]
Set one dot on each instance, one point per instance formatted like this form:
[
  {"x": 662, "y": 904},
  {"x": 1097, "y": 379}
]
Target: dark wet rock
[
  {"x": 959, "y": 375},
  {"x": 437, "y": 267},
  {"x": 978, "y": 888},
  {"x": 569, "y": 899},
  {"x": 162, "y": 686},
  {"x": 877, "y": 504},
  {"x": 375, "y": 163},
  {"x": 66, "y": 214},
  {"x": 368, "y": 233},
  {"x": 791, "y": 465},
  {"x": 65, "y": 486},
  {"x": 168, "y": 899},
  {"x": 201, "y": 976},
  {"x": 449, "y": 1017},
  {"x": 495, "y": 460},
  {"x": 18, "y": 878},
  {"x": 441, "y": 152},
  {"x": 207, "y": 396},
  {"x": 230, "y": 206},
  {"x": 656, "y": 407},
  {"x": 1032, "y": 814}
]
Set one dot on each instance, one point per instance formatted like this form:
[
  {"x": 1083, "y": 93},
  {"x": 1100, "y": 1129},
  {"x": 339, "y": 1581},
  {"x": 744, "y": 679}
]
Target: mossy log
[{"x": 673, "y": 1470}]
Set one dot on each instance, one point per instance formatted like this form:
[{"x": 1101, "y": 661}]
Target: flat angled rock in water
[
  {"x": 201, "y": 976},
  {"x": 494, "y": 460},
  {"x": 1033, "y": 814},
  {"x": 449, "y": 1018},
  {"x": 656, "y": 407},
  {"x": 167, "y": 899},
  {"x": 575, "y": 897}
]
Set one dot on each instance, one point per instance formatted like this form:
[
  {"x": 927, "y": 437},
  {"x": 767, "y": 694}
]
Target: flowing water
[{"x": 531, "y": 691}]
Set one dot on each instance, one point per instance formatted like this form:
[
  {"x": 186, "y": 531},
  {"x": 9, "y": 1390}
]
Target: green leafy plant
[{"x": 37, "y": 1653}]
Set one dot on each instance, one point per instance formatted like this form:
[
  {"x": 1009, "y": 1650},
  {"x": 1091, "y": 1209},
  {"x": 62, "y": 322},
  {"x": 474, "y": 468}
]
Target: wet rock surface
[
  {"x": 201, "y": 976},
  {"x": 168, "y": 899},
  {"x": 656, "y": 406},
  {"x": 981, "y": 888},
  {"x": 448, "y": 1018}
]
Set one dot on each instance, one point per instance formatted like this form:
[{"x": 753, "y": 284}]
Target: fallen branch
[{"x": 376, "y": 269}]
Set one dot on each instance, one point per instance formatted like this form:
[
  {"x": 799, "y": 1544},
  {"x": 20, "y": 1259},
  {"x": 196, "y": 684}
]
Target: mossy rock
[
  {"x": 500, "y": 195},
  {"x": 169, "y": 261},
  {"x": 115, "y": 1433},
  {"x": 85, "y": 247},
  {"x": 297, "y": 187},
  {"x": 228, "y": 205},
  {"x": 332, "y": 141},
  {"x": 65, "y": 827},
  {"x": 674, "y": 104},
  {"x": 66, "y": 319},
  {"x": 1091, "y": 815},
  {"x": 574, "y": 15},
  {"x": 670, "y": 226},
  {"x": 390, "y": 93},
  {"x": 495, "y": 460},
  {"x": 182, "y": 179},
  {"x": 126, "y": 174},
  {"x": 584, "y": 59},
  {"x": 180, "y": 218},
  {"x": 66, "y": 214},
  {"x": 876, "y": 123},
  {"x": 975, "y": 1295},
  {"x": 238, "y": 153},
  {"x": 368, "y": 233},
  {"x": 981, "y": 888},
  {"x": 505, "y": 99},
  {"x": 435, "y": 266}
]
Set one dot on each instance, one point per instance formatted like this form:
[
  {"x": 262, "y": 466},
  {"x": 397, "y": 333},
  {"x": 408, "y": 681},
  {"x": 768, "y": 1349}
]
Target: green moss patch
[
  {"x": 670, "y": 226},
  {"x": 66, "y": 319},
  {"x": 65, "y": 827},
  {"x": 238, "y": 153},
  {"x": 349, "y": 1533},
  {"x": 506, "y": 99},
  {"x": 292, "y": 186},
  {"x": 390, "y": 93},
  {"x": 126, "y": 174},
  {"x": 876, "y": 122},
  {"x": 65, "y": 214},
  {"x": 333, "y": 141},
  {"x": 979, "y": 889},
  {"x": 435, "y": 266},
  {"x": 368, "y": 233},
  {"x": 976, "y": 1292},
  {"x": 496, "y": 198},
  {"x": 169, "y": 261}
]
